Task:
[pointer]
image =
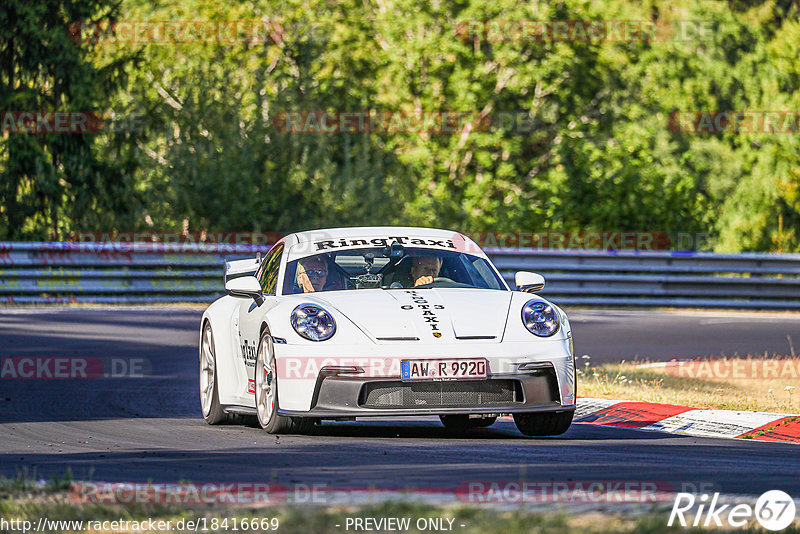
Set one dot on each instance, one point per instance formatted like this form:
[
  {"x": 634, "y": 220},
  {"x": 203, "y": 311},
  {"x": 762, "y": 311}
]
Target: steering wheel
[{"x": 437, "y": 280}]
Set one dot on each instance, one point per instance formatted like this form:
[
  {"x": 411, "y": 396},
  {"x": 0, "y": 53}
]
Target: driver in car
[
  {"x": 312, "y": 273},
  {"x": 425, "y": 269}
]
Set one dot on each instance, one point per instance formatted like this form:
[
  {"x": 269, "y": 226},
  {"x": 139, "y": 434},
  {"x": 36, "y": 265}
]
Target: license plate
[{"x": 450, "y": 369}]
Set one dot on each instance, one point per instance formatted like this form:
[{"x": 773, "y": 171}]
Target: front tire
[
  {"x": 209, "y": 385},
  {"x": 266, "y": 382},
  {"x": 543, "y": 424}
]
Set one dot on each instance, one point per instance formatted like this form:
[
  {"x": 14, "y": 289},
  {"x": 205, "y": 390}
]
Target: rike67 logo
[{"x": 774, "y": 510}]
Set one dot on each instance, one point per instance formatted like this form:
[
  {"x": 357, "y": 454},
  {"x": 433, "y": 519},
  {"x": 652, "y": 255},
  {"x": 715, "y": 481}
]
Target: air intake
[{"x": 445, "y": 394}]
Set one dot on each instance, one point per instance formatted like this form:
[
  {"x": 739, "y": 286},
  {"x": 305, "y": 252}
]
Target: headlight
[
  {"x": 540, "y": 318},
  {"x": 313, "y": 322}
]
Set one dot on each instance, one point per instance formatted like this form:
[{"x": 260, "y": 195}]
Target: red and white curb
[{"x": 759, "y": 426}]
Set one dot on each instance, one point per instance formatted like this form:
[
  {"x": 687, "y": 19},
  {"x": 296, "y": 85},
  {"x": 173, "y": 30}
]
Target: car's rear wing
[{"x": 237, "y": 268}]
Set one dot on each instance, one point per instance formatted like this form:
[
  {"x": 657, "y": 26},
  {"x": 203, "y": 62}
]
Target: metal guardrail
[
  {"x": 152, "y": 272},
  {"x": 60, "y": 272},
  {"x": 660, "y": 278}
]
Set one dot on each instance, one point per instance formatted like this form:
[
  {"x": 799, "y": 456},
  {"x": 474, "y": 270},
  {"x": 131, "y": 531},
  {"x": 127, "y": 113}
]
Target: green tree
[
  {"x": 578, "y": 134},
  {"x": 51, "y": 183}
]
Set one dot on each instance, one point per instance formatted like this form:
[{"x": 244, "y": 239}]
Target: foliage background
[{"x": 205, "y": 156}]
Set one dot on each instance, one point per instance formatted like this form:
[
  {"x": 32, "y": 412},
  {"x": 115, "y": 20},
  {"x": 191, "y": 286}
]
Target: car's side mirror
[
  {"x": 529, "y": 282},
  {"x": 246, "y": 287}
]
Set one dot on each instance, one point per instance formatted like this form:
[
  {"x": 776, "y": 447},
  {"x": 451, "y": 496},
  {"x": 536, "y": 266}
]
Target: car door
[{"x": 251, "y": 315}]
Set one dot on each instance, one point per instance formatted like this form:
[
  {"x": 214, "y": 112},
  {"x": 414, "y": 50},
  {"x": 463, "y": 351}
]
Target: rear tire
[
  {"x": 464, "y": 422},
  {"x": 209, "y": 385},
  {"x": 266, "y": 383},
  {"x": 543, "y": 424}
]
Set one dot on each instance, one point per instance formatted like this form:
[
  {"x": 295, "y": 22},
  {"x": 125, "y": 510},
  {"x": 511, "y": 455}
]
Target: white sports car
[{"x": 381, "y": 321}]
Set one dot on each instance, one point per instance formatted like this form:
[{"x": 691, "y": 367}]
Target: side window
[
  {"x": 268, "y": 275},
  {"x": 484, "y": 277}
]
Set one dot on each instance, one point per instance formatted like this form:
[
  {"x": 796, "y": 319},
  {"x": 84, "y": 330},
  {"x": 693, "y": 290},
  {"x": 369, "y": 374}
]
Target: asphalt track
[{"x": 149, "y": 429}]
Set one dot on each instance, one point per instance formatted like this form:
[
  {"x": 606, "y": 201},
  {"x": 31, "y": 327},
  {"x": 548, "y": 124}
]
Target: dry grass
[{"x": 724, "y": 384}]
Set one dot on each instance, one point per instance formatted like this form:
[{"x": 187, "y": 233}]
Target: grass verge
[{"x": 751, "y": 383}]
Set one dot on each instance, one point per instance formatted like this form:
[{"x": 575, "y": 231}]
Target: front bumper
[
  {"x": 300, "y": 365},
  {"x": 347, "y": 397}
]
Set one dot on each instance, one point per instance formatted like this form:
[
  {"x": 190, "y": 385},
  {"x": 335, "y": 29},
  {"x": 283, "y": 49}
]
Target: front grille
[{"x": 447, "y": 394}]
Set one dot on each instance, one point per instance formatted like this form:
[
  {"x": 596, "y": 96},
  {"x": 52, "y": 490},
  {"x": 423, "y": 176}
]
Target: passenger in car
[{"x": 312, "y": 273}]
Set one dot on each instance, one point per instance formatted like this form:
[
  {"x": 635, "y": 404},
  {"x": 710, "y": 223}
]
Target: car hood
[{"x": 424, "y": 314}]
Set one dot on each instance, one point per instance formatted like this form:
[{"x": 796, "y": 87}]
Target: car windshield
[{"x": 394, "y": 267}]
